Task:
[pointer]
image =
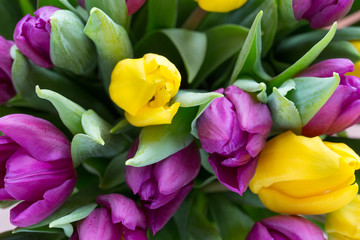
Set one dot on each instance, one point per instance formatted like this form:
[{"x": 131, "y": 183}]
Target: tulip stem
[{"x": 194, "y": 19}]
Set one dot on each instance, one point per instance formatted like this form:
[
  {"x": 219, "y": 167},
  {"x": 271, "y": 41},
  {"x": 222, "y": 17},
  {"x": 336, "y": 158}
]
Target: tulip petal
[
  {"x": 178, "y": 170},
  {"x": 346, "y": 153},
  {"x": 28, "y": 213},
  {"x": 137, "y": 234},
  {"x": 327, "y": 68},
  {"x": 220, "y": 6},
  {"x": 134, "y": 5},
  {"x": 259, "y": 231},
  {"x": 157, "y": 218},
  {"x": 123, "y": 210},
  {"x": 98, "y": 226},
  {"x": 300, "y": 7},
  {"x": 348, "y": 117},
  {"x": 39, "y": 137},
  {"x": 324, "y": 203}
]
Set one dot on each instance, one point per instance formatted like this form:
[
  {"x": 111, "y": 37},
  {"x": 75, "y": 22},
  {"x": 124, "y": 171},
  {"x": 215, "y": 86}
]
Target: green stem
[{"x": 194, "y": 19}]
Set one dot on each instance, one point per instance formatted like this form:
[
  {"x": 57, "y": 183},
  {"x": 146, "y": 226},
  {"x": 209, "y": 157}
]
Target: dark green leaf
[
  {"x": 31, "y": 236},
  {"x": 162, "y": 14}
]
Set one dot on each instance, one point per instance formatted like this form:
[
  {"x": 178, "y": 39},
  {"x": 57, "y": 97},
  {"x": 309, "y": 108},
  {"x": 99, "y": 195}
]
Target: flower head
[
  {"x": 7, "y": 90},
  {"x": 300, "y": 175},
  {"x": 35, "y": 168},
  {"x": 233, "y": 129},
  {"x": 220, "y": 6},
  {"x": 143, "y": 88},
  {"x": 32, "y": 36}
]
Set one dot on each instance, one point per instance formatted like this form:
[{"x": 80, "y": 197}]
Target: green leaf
[
  {"x": 78, "y": 214},
  {"x": 252, "y": 86},
  {"x": 223, "y": 42},
  {"x": 191, "y": 46},
  {"x": 232, "y": 223},
  {"x": 249, "y": 59},
  {"x": 115, "y": 172},
  {"x": 27, "y": 7},
  {"x": 97, "y": 140},
  {"x": 70, "y": 113},
  {"x": 162, "y": 14},
  {"x": 115, "y": 9},
  {"x": 305, "y": 61},
  {"x": 191, "y": 98},
  {"x": 159, "y": 142},
  {"x": 111, "y": 40},
  {"x": 286, "y": 12},
  {"x": 10, "y": 14},
  {"x": 30, "y": 236},
  {"x": 311, "y": 94},
  {"x": 205, "y": 163},
  {"x": 69, "y": 46}
]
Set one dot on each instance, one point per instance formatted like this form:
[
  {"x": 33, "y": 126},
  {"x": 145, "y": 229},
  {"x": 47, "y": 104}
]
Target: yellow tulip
[
  {"x": 356, "y": 72},
  {"x": 300, "y": 175},
  {"x": 144, "y": 87},
  {"x": 344, "y": 223},
  {"x": 220, "y": 5}
]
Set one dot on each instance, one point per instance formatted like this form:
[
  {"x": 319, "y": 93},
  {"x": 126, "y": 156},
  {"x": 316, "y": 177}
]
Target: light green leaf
[
  {"x": 311, "y": 94},
  {"x": 161, "y": 14},
  {"x": 111, "y": 40},
  {"x": 204, "y": 161},
  {"x": 159, "y": 142},
  {"x": 305, "y": 61},
  {"x": 69, "y": 46},
  {"x": 115, "y": 9},
  {"x": 252, "y": 86},
  {"x": 78, "y": 214},
  {"x": 114, "y": 173},
  {"x": 249, "y": 59},
  {"x": 191, "y": 98},
  {"x": 70, "y": 113},
  {"x": 191, "y": 46},
  {"x": 286, "y": 12}
]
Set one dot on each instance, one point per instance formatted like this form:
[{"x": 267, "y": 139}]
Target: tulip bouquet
[{"x": 180, "y": 119}]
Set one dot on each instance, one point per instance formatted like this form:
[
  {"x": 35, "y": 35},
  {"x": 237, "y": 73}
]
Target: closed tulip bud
[
  {"x": 321, "y": 13},
  {"x": 220, "y": 6},
  {"x": 35, "y": 168},
  {"x": 300, "y": 175},
  {"x": 163, "y": 186},
  {"x": 7, "y": 90},
  {"x": 119, "y": 218},
  {"x": 144, "y": 87},
  {"x": 233, "y": 129},
  {"x": 285, "y": 228},
  {"x": 344, "y": 223},
  {"x": 32, "y": 36},
  {"x": 342, "y": 110}
]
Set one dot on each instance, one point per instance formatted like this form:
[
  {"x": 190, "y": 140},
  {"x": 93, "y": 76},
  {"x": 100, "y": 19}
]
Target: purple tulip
[
  {"x": 285, "y": 228},
  {"x": 7, "y": 90},
  {"x": 35, "y": 168},
  {"x": 163, "y": 186},
  {"x": 342, "y": 110},
  {"x": 233, "y": 129},
  {"x": 134, "y": 5},
  {"x": 82, "y": 3},
  {"x": 321, "y": 13},
  {"x": 119, "y": 218},
  {"x": 32, "y": 36}
]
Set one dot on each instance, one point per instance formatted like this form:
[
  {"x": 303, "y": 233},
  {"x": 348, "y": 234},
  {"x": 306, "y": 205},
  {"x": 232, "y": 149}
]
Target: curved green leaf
[
  {"x": 161, "y": 14},
  {"x": 115, "y": 9}
]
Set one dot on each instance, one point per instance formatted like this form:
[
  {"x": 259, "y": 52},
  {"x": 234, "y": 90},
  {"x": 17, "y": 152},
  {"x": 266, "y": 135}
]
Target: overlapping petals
[{"x": 7, "y": 90}]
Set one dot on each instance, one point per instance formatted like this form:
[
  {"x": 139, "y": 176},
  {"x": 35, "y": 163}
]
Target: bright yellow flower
[
  {"x": 220, "y": 5},
  {"x": 356, "y": 72},
  {"x": 300, "y": 175},
  {"x": 344, "y": 223},
  {"x": 144, "y": 87}
]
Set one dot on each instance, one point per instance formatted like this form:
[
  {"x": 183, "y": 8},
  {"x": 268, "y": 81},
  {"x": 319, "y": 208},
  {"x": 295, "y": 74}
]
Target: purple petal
[
  {"x": 348, "y": 117},
  {"x": 46, "y": 12},
  {"x": 254, "y": 117},
  {"x": 177, "y": 170},
  {"x": 98, "y": 225},
  {"x": 157, "y": 218},
  {"x": 28, "y": 179},
  {"x": 7, "y": 90},
  {"x": 293, "y": 227},
  {"x": 218, "y": 128},
  {"x": 258, "y": 231},
  {"x": 328, "y": 67},
  {"x": 29, "y": 213},
  {"x": 123, "y": 210},
  {"x": 237, "y": 159},
  {"x": 159, "y": 200},
  {"x": 256, "y": 142},
  {"x": 39, "y": 137},
  {"x": 300, "y": 7},
  {"x": 134, "y": 5},
  {"x": 137, "y": 234},
  {"x": 244, "y": 174}
]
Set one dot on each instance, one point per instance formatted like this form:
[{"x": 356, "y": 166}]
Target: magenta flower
[
  {"x": 342, "y": 110},
  {"x": 321, "y": 13},
  {"x": 134, "y": 5},
  {"x": 163, "y": 186},
  {"x": 233, "y": 129},
  {"x": 7, "y": 90},
  {"x": 35, "y": 168},
  {"x": 285, "y": 228},
  {"x": 32, "y": 36},
  {"x": 119, "y": 218}
]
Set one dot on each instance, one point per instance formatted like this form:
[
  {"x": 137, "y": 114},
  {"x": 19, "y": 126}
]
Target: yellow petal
[
  {"x": 153, "y": 116},
  {"x": 325, "y": 203},
  {"x": 356, "y": 72},
  {"x": 288, "y": 157},
  {"x": 346, "y": 153},
  {"x": 345, "y": 222},
  {"x": 220, "y": 5},
  {"x": 129, "y": 88}
]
